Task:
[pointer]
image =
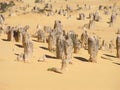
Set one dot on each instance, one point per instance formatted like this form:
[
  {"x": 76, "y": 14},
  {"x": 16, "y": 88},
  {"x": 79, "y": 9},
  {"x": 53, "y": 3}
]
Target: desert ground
[{"x": 81, "y": 74}]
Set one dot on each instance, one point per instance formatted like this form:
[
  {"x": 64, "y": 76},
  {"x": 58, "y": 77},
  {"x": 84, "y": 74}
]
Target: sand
[{"x": 81, "y": 75}]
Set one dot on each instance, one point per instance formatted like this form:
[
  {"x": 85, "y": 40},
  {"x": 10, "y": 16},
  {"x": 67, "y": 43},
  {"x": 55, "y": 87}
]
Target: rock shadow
[
  {"x": 44, "y": 48},
  {"x": 116, "y": 63},
  {"x": 20, "y": 46},
  {"x": 81, "y": 59},
  {"x": 5, "y": 39},
  {"x": 109, "y": 55},
  {"x": 48, "y": 56}
]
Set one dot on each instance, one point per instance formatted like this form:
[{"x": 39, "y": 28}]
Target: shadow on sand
[
  {"x": 116, "y": 63},
  {"x": 20, "y": 46},
  {"x": 81, "y": 59},
  {"x": 48, "y": 56},
  {"x": 109, "y": 55},
  {"x": 44, "y": 48},
  {"x": 5, "y": 39},
  {"x": 35, "y": 40}
]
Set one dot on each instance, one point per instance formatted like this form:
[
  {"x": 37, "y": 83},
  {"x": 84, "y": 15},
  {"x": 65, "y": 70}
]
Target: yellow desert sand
[{"x": 81, "y": 74}]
